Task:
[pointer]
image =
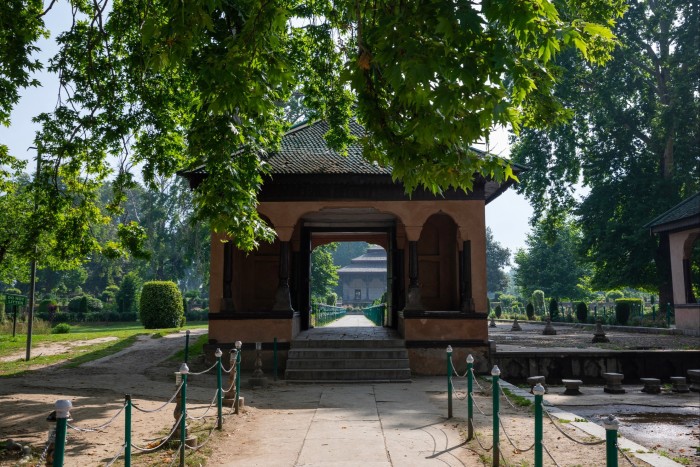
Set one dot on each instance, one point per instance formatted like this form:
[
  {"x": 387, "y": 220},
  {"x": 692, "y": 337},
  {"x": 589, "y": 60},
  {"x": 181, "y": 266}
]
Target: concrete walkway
[{"x": 380, "y": 425}]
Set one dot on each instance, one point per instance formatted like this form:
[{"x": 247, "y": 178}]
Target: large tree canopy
[
  {"x": 634, "y": 140},
  {"x": 177, "y": 84}
]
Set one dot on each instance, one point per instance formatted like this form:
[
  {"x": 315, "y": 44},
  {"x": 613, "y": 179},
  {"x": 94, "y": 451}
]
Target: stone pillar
[
  {"x": 466, "y": 299},
  {"x": 413, "y": 299},
  {"x": 283, "y": 300},
  {"x": 227, "y": 302}
]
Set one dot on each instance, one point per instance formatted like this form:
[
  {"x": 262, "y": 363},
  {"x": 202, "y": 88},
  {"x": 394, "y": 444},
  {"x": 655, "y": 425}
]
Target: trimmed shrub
[
  {"x": 581, "y": 312},
  {"x": 623, "y": 308},
  {"x": 61, "y": 328},
  {"x": 553, "y": 309},
  {"x": 161, "y": 305},
  {"x": 613, "y": 295},
  {"x": 13, "y": 291},
  {"x": 530, "y": 311},
  {"x": 128, "y": 295},
  {"x": 538, "y": 301},
  {"x": 498, "y": 311}
]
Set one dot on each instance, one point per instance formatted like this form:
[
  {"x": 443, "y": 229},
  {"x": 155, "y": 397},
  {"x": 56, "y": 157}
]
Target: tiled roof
[
  {"x": 686, "y": 210},
  {"x": 373, "y": 260},
  {"x": 363, "y": 270},
  {"x": 304, "y": 151}
]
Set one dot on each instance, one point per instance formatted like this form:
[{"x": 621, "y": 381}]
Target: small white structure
[{"x": 364, "y": 279}]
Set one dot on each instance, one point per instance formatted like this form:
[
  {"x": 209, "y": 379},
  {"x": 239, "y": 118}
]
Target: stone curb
[{"x": 612, "y": 327}]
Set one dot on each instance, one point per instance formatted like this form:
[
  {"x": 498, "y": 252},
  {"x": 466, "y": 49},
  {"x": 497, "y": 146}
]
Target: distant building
[{"x": 364, "y": 279}]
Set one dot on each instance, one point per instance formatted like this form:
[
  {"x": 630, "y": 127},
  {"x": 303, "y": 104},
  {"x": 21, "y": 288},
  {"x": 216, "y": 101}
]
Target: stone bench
[
  {"x": 613, "y": 383},
  {"x": 694, "y": 377},
  {"x": 679, "y": 384},
  {"x": 572, "y": 386},
  {"x": 651, "y": 385},
  {"x": 533, "y": 380}
]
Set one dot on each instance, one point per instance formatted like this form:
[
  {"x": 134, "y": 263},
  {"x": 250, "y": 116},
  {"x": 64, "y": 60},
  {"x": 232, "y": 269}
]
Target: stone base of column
[
  {"x": 283, "y": 301},
  {"x": 414, "y": 302}
]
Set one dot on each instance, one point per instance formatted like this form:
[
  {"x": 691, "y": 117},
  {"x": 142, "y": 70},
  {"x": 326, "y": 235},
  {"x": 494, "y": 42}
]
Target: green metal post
[
  {"x": 653, "y": 312},
  {"x": 470, "y": 401},
  {"x": 274, "y": 359},
  {"x": 538, "y": 391},
  {"x": 187, "y": 345},
  {"x": 62, "y": 415},
  {"x": 219, "y": 389},
  {"x": 238, "y": 376},
  {"x": 495, "y": 373},
  {"x": 184, "y": 370},
  {"x": 595, "y": 312},
  {"x": 449, "y": 381},
  {"x": 127, "y": 430},
  {"x": 668, "y": 314},
  {"x": 611, "y": 425}
]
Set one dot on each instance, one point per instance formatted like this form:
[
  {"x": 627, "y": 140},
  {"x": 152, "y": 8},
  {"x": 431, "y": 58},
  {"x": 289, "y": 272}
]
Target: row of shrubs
[
  {"x": 623, "y": 310},
  {"x": 109, "y": 317}
]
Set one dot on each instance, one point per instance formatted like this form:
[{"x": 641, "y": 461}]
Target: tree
[
  {"x": 634, "y": 142},
  {"x": 497, "y": 257},
  {"x": 324, "y": 274},
  {"x": 551, "y": 267},
  {"x": 171, "y": 85}
]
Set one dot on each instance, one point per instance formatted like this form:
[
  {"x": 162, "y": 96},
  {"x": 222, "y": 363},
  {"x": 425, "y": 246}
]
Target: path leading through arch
[{"x": 349, "y": 327}]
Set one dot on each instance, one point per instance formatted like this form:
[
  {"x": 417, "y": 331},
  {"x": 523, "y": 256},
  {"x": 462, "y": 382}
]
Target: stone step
[
  {"x": 349, "y": 375},
  {"x": 347, "y": 343},
  {"x": 347, "y": 363},
  {"x": 347, "y": 353}
]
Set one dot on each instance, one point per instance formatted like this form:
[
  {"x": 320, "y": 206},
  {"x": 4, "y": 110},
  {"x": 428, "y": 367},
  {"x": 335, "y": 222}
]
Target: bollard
[
  {"x": 127, "y": 430},
  {"x": 238, "y": 344},
  {"x": 184, "y": 370},
  {"x": 538, "y": 391},
  {"x": 62, "y": 415},
  {"x": 495, "y": 373},
  {"x": 611, "y": 425},
  {"x": 668, "y": 314},
  {"x": 219, "y": 388},
  {"x": 274, "y": 359},
  {"x": 187, "y": 345},
  {"x": 449, "y": 381},
  {"x": 653, "y": 313},
  {"x": 595, "y": 312},
  {"x": 470, "y": 401}
]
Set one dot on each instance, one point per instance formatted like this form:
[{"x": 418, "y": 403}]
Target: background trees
[
  {"x": 497, "y": 257},
  {"x": 634, "y": 143}
]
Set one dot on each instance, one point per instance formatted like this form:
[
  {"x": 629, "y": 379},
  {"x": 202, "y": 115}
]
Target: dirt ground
[{"x": 97, "y": 390}]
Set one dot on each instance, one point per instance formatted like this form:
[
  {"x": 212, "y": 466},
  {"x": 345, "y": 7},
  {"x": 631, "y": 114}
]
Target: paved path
[
  {"x": 349, "y": 327},
  {"x": 373, "y": 425}
]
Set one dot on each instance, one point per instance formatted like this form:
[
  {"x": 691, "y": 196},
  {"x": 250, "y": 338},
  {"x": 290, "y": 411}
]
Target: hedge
[
  {"x": 623, "y": 308},
  {"x": 582, "y": 312},
  {"x": 161, "y": 305}
]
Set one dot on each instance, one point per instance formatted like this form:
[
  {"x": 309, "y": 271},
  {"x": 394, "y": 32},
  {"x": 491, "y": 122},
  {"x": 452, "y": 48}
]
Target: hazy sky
[{"x": 507, "y": 216}]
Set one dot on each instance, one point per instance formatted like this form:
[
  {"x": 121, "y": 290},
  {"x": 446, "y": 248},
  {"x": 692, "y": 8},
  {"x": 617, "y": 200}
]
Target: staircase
[{"x": 350, "y": 361}]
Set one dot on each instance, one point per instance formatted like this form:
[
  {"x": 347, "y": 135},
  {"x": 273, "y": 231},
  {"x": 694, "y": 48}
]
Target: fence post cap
[
  {"x": 449, "y": 349},
  {"x": 184, "y": 369},
  {"x": 187, "y": 332},
  {"x": 238, "y": 345},
  {"x": 63, "y": 407},
  {"x": 495, "y": 371},
  {"x": 611, "y": 423},
  {"x": 470, "y": 359},
  {"x": 218, "y": 353},
  {"x": 538, "y": 390}
]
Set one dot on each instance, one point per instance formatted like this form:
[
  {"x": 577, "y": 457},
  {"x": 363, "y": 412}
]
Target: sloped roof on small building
[
  {"x": 372, "y": 261},
  {"x": 683, "y": 215}
]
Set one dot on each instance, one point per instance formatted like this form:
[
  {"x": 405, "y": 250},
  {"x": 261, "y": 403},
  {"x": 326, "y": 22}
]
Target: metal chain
[
  {"x": 205, "y": 371},
  {"x": 506, "y": 397},
  {"x": 176, "y": 456},
  {"x": 500, "y": 451},
  {"x": 500, "y": 421},
  {"x": 476, "y": 380},
  {"x": 216, "y": 394},
  {"x": 456, "y": 373},
  {"x": 455, "y": 393},
  {"x": 162, "y": 406},
  {"x": 223, "y": 368},
  {"x": 114, "y": 459},
  {"x": 479, "y": 408},
  {"x": 585, "y": 443},
  {"x": 97, "y": 428},
  {"x": 550, "y": 455},
  {"x": 233, "y": 383},
  {"x": 625, "y": 456},
  {"x": 52, "y": 438},
  {"x": 201, "y": 445},
  {"x": 164, "y": 439},
  {"x": 476, "y": 437}
]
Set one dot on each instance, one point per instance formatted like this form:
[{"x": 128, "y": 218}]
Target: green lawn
[{"x": 125, "y": 332}]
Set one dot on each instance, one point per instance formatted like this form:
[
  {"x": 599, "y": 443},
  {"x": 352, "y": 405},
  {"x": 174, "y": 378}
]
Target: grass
[
  {"x": 126, "y": 334},
  {"x": 680, "y": 459},
  {"x": 196, "y": 349},
  {"x": 517, "y": 400}
]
